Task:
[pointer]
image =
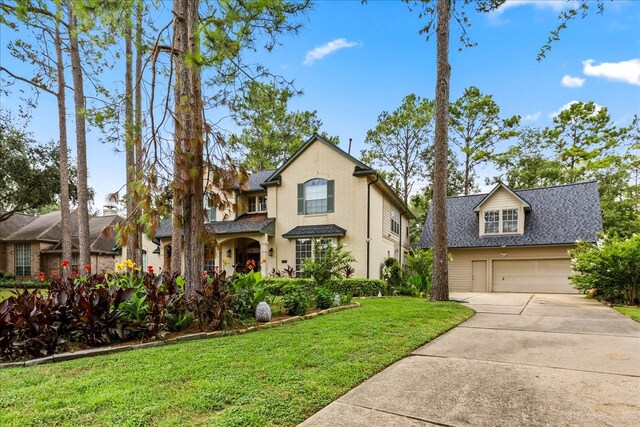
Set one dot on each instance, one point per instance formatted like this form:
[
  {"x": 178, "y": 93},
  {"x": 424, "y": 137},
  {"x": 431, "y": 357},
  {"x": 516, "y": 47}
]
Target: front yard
[{"x": 276, "y": 376}]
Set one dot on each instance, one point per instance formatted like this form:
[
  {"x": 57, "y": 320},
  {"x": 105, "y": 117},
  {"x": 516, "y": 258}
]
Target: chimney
[{"x": 109, "y": 209}]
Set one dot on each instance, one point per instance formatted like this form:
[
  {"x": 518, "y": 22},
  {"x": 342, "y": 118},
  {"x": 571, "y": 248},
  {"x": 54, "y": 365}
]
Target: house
[
  {"x": 517, "y": 241},
  {"x": 33, "y": 244},
  {"x": 320, "y": 194}
]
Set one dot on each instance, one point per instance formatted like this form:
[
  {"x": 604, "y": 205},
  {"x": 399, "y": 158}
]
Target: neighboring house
[
  {"x": 517, "y": 241},
  {"x": 34, "y": 245},
  {"x": 319, "y": 192}
]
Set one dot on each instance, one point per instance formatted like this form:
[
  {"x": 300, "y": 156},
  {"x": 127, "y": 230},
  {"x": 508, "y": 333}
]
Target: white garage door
[{"x": 532, "y": 275}]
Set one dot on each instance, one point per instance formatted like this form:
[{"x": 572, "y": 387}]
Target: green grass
[
  {"x": 632, "y": 312},
  {"x": 277, "y": 376}
]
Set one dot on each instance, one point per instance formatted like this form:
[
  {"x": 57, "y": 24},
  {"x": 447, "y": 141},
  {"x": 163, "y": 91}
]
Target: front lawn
[
  {"x": 632, "y": 312},
  {"x": 276, "y": 376}
]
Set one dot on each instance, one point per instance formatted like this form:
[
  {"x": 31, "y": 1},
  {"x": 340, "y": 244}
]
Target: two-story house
[
  {"x": 320, "y": 192},
  {"x": 517, "y": 241}
]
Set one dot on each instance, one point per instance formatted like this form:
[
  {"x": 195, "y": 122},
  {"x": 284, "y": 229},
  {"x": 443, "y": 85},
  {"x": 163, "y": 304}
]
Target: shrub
[
  {"x": 329, "y": 261},
  {"x": 358, "y": 287},
  {"x": 295, "y": 301},
  {"x": 164, "y": 294},
  {"x": 611, "y": 268},
  {"x": 248, "y": 292},
  {"x": 212, "y": 306},
  {"x": 323, "y": 298},
  {"x": 392, "y": 273},
  {"x": 420, "y": 270},
  {"x": 277, "y": 285}
]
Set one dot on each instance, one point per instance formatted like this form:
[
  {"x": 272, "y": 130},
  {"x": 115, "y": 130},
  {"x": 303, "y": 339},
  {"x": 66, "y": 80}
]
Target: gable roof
[
  {"x": 561, "y": 214},
  {"x": 38, "y": 229},
  {"x": 273, "y": 179},
  {"x": 13, "y": 223},
  {"x": 48, "y": 228},
  {"x": 500, "y": 185},
  {"x": 360, "y": 169}
]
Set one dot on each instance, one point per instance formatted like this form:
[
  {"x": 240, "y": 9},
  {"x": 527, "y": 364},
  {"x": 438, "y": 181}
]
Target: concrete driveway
[{"x": 522, "y": 360}]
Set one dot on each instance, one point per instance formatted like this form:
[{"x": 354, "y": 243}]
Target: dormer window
[
  {"x": 502, "y": 221},
  {"x": 491, "y": 222},
  {"x": 510, "y": 220}
]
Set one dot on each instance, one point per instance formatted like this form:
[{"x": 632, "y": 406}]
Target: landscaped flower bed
[{"x": 101, "y": 310}]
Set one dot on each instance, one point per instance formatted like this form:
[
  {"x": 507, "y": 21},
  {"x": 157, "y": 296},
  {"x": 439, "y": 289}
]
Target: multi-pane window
[
  {"x": 510, "y": 220},
  {"x": 210, "y": 207},
  {"x": 395, "y": 220},
  {"x": 144, "y": 260},
  {"x": 23, "y": 259},
  {"x": 303, "y": 251},
  {"x": 262, "y": 203},
  {"x": 315, "y": 196},
  {"x": 491, "y": 222},
  {"x": 257, "y": 204}
]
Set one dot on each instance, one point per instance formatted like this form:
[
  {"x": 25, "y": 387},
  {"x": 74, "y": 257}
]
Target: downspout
[{"x": 369, "y": 222}]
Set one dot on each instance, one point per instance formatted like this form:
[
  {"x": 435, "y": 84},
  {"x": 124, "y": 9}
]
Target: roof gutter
[{"x": 369, "y": 222}]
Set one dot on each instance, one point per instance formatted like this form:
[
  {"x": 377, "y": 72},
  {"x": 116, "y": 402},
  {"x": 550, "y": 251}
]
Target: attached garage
[{"x": 532, "y": 275}]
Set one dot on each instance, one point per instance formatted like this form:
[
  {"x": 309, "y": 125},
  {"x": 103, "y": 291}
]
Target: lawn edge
[{"x": 101, "y": 351}]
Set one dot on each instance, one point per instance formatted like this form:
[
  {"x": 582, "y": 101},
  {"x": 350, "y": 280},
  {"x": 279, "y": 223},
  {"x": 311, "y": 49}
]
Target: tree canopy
[{"x": 30, "y": 171}]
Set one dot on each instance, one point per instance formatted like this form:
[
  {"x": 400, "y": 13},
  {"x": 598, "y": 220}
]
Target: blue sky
[{"x": 354, "y": 61}]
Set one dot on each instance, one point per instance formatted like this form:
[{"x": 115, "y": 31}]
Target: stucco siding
[
  {"x": 460, "y": 265},
  {"x": 350, "y": 203}
]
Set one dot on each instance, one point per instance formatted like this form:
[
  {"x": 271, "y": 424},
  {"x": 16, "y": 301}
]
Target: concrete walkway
[{"x": 522, "y": 360}]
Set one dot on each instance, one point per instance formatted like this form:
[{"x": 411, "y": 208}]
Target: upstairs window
[
  {"x": 23, "y": 259},
  {"x": 315, "y": 196},
  {"x": 262, "y": 203},
  {"x": 510, "y": 220},
  {"x": 257, "y": 204},
  {"x": 395, "y": 221},
  {"x": 491, "y": 222},
  {"x": 209, "y": 207}
]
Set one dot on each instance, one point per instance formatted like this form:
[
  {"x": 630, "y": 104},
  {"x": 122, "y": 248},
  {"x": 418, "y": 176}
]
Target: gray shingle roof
[
  {"x": 559, "y": 215},
  {"x": 254, "y": 181},
  {"x": 248, "y": 223},
  {"x": 324, "y": 230},
  {"x": 38, "y": 229},
  {"x": 13, "y": 223}
]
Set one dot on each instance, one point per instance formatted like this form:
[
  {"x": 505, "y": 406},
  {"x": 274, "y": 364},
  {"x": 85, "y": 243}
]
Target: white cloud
[
  {"x": 533, "y": 116},
  {"x": 567, "y": 105},
  {"x": 556, "y": 6},
  {"x": 569, "y": 81},
  {"x": 327, "y": 49},
  {"x": 623, "y": 71}
]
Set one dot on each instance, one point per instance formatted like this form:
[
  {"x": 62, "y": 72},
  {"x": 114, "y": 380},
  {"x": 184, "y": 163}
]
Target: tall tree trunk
[
  {"x": 81, "y": 141},
  {"x": 467, "y": 168},
  {"x": 138, "y": 124},
  {"x": 440, "y": 287},
  {"x": 188, "y": 137},
  {"x": 130, "y": 143},
  {"x": 64, "y": 151}
]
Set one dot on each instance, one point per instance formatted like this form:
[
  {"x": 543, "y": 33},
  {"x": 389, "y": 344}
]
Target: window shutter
[
  {"x": 300, "y": 199},
  {"x": 330, "y": 192}
]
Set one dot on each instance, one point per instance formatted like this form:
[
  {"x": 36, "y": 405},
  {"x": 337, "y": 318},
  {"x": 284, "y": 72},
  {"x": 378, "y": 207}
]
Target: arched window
[{"x": 315, "y": 196}]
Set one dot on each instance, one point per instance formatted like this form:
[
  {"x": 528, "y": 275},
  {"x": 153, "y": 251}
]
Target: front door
[{"x": 478, "y": 276}]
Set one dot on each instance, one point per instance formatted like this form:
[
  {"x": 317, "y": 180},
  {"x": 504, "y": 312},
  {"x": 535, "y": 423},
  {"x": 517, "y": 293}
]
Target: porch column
[{"x": 264, "y": 255}]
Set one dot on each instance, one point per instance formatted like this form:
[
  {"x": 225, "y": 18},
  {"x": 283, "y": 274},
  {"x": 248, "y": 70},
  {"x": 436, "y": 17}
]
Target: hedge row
[
  {"x": 20, "y": 284},
  {"x": 354, "y": 287}
]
